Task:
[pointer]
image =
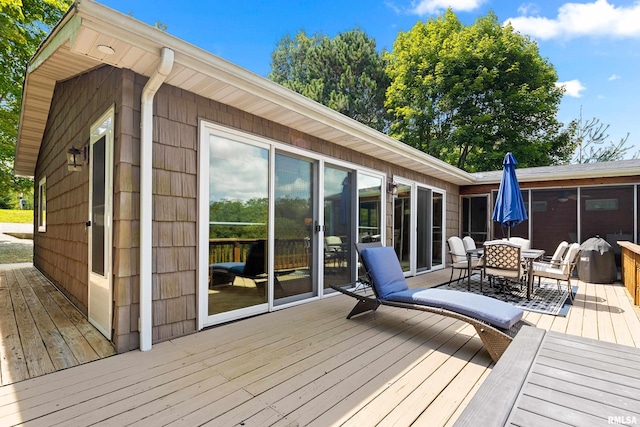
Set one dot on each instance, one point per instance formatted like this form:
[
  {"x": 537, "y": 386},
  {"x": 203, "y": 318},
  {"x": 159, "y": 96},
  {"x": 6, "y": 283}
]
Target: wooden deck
[
  {"x": 40, "y": 330},
  {"x": 305, "y": 365},
  {"x": 547, "y": 378}
]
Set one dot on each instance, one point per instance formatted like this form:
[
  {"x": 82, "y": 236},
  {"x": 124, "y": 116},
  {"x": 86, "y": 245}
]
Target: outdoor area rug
[{"x": 545, "y": 299}]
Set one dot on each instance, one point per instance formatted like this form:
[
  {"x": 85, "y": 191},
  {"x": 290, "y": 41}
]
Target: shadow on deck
[{"x": 304, "y": 365}]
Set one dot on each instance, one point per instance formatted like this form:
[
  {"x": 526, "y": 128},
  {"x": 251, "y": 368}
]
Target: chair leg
[{"x": 570, "y": 290}]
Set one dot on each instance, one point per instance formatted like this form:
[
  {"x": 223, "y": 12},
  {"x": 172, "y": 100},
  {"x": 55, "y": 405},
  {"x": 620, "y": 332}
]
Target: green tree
[
  {"x": 469, "y": 94},
  {"x": 590, "y": 137},
  {"x": 23, "y": 26},
  {"x": 345, "y": 73}
]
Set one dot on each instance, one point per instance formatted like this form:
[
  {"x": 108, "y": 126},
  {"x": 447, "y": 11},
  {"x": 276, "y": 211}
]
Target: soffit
[{"x": 71, "y": 49}]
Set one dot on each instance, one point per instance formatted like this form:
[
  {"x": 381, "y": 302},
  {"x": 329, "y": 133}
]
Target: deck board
[{"x": 308, "y": 365}]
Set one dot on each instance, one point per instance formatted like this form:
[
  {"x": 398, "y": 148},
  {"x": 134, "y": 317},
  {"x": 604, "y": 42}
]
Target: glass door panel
[
  {"x": 238, "y": 219},
  {"x": 338, "y": 219},
  {"x": 99, "y": 226},
  {"x": 437, "y": 229},
  {"x": 295, "y": 223},
  {"x": 402, "y": 225},
  {"x": 369, "y": 208},
  {"x": 475, "y": 217},
  {"x": 423, "y": 231}
]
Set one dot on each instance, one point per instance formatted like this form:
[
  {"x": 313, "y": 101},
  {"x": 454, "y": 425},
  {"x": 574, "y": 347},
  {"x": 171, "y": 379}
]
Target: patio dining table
[{"x": 529, "y": 255}]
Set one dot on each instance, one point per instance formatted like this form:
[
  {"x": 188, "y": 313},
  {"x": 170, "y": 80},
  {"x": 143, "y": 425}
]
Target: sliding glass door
[
  {"x": 237, "y": 228},
  {"x": 338, "y": 249},
  {"x": 418, "y": 221},
  {"x": 295, "y": 236},
  {"x": 277, "y": 226}
]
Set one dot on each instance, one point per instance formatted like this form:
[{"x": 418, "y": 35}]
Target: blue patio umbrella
[{"x": 509, "y": 209}]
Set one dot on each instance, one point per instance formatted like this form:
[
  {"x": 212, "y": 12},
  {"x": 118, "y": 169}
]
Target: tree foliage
[
  {"x": 590, "y": 137},
  {"x": 345, "y": 73},
  {"x": 469, "y": 94},
  {"x": 23, "y": 26}
]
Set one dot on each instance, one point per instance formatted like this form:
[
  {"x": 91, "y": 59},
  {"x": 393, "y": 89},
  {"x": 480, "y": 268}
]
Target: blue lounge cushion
[
  {"x": 384, "y": 268},
  {"x": 490, "y": 310},
  {"x": 236, "y": 268}
]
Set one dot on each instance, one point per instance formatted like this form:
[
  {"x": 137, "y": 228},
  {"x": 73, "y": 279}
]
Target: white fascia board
[{"x": 151, "y": 39}]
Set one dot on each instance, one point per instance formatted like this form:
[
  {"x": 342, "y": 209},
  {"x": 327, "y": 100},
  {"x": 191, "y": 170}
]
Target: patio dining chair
[
  {"x": 503, "y": 262},
  {"x": 559, "y": 272},
  {"x": 525, "y": 244},
  {"x": 476, "y": 260},
  {"x": 458, "y": 255}
]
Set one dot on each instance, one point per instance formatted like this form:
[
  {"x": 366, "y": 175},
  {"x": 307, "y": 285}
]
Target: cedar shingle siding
[{"x": 61, "y": 252}]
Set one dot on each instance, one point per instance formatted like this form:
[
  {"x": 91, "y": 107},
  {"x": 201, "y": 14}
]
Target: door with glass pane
[
  {"x": 417, "y": 227},
  {"x": 238, "y": 212},
  {"x": 99, "y": 225},
  {"x": 295, "y": 229},
  {"x": 338, "y": 249},
  {"x": 369, "y": 208}
]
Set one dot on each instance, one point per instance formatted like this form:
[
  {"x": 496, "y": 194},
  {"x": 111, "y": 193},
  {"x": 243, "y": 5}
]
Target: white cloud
[
  {"x": 528, "y": 9},
  {"x": 428, "y": 7},
  {"x": 599, "y": 18},
  {"x": 572, "y": 88},
  {"x": 614, "y": 77}
]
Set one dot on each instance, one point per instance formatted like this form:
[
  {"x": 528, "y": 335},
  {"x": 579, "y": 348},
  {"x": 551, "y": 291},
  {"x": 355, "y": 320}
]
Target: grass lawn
[
  {"x": 11, "y": 253},
  {"x": 16, "y": 252},
  {"x": 16, "y": 215}
]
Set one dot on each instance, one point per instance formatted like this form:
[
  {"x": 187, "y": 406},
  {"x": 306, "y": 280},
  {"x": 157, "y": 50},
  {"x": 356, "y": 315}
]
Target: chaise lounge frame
[{"x": 495, "y": 339}]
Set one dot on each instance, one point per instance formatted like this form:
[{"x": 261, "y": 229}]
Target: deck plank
[
  {"x": 444, "y": 407},
  {"x": 603, "y": 313},
  {"x": 59, "y": 352},
  {"x": 322, "y": 395},
  {"x": 308, "y": 365},
  {"x": 36, "y": 356},
  {"x": 13, "y": 366},
  {"x": 424, "y": 395}
]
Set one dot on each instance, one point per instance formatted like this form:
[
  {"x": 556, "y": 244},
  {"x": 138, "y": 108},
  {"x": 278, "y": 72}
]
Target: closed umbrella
[{"x": 510, "y": 209}]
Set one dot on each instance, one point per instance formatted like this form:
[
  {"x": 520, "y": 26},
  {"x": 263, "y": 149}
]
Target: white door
[{"x": 99, "y": 224}]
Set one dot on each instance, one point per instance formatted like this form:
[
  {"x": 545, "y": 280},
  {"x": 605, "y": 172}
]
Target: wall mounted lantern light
[
  {"x": 74, "y": 159},
  {"x": 392, "y": 188}
]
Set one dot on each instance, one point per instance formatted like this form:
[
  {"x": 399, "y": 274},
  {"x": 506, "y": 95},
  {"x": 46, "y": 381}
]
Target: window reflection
[
  {"x": 369, "y": 202},
  {"x": 238, "y": 214},
  {"x": 402, "y": 225},
  {"x": 294, "y": 229},
  {"x": 338, "y": 220}
]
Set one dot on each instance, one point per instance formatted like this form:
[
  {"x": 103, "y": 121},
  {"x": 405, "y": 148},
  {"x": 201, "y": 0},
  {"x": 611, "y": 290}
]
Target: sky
[{"x": 594, "y": 45}]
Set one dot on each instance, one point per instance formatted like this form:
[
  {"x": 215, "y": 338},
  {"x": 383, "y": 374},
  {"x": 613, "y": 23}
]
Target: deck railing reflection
[{"x": 289, "y": 253}]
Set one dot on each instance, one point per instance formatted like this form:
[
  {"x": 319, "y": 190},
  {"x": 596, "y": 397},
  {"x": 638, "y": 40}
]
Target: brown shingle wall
[{"x": 61, "y": 253}]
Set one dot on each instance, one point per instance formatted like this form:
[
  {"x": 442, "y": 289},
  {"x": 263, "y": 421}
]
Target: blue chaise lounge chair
[{"x": 496, "y": 322}]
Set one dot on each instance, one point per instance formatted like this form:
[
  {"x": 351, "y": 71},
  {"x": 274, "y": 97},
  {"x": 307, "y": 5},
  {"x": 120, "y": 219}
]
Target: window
[{"x": 42, "y": 204}]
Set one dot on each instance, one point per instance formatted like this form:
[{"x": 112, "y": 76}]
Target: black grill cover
[{"x": 597, "y": 261}]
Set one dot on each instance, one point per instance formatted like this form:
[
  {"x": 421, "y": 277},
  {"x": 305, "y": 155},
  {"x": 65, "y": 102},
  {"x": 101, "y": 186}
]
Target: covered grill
[{"x": 597, "y": 261}]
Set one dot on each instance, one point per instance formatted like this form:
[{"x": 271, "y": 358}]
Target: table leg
[{"x": 530, "y": 279}]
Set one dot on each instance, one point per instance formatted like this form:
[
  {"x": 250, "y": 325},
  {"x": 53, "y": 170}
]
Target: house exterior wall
[{"x": 61, "y": 252}]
